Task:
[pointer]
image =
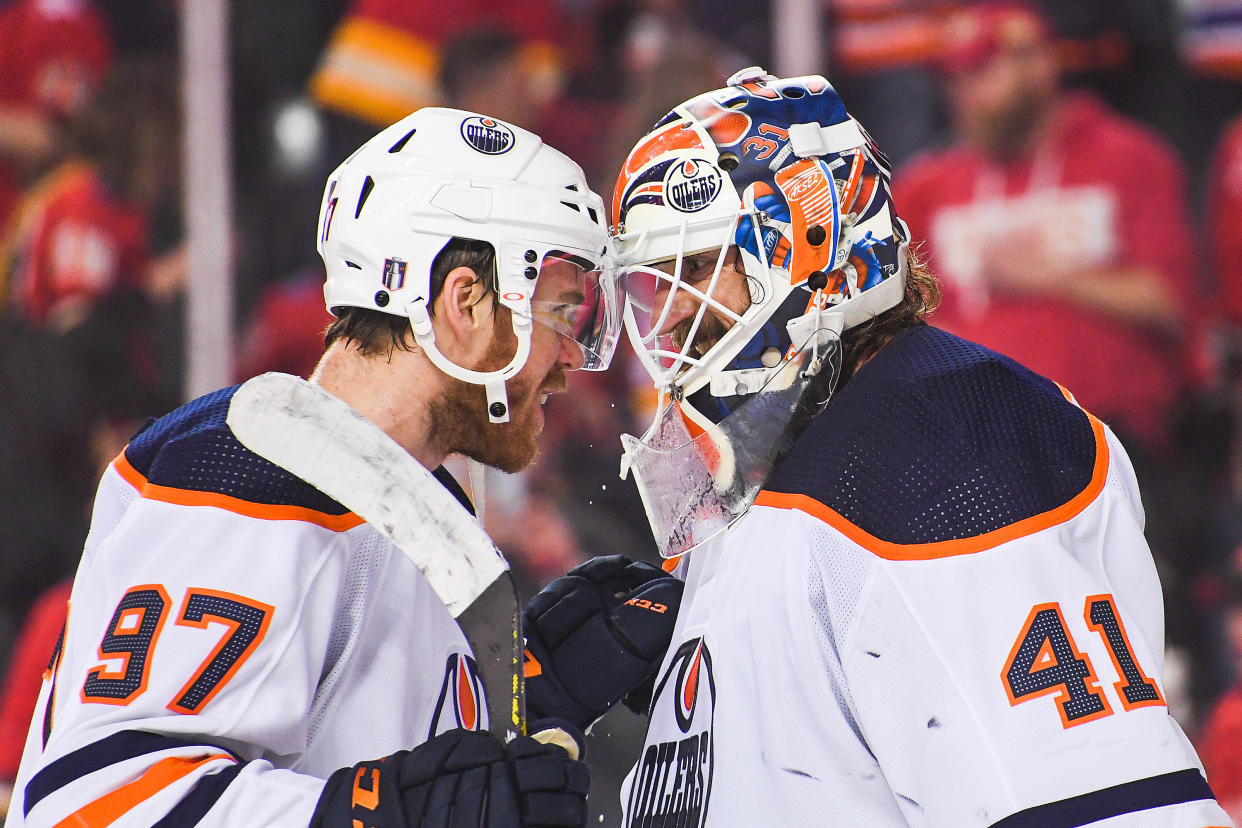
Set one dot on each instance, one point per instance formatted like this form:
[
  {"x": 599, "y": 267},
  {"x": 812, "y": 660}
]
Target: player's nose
[
  {"x": 570, "y": 356},
  {"x": 683, "y": 307}
]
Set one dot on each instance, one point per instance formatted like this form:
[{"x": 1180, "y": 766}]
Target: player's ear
[{"x": 463, "y": 316}]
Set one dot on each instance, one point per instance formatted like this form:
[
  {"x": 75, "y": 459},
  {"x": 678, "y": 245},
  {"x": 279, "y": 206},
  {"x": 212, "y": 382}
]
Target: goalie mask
[
  {"x": 444, "y": 174},
  {"x": 754, "y": 226}
]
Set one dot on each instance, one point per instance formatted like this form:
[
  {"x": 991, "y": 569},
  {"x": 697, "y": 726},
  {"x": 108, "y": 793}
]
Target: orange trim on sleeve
[
  {"x": 964, "y": 546},
  {"x": 262, "y": 511},
  {"x": 111, "y": 807}
]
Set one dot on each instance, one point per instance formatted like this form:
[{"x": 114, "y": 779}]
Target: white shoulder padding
[{"x": 319, "y": 438}]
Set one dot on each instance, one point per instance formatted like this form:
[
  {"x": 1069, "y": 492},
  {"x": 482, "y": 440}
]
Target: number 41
[{"x": 1045, "y": 660}]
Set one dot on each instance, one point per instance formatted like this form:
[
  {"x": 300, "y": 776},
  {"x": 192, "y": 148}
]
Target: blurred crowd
[{"x": 1071, "y": 168}]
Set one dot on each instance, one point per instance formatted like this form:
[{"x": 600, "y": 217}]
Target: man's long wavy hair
[{"x": 922, "y": 296}]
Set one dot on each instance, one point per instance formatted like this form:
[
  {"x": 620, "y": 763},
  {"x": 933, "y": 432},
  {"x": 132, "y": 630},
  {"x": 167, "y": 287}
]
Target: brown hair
[
  {"x": 378, "y": 332},
  {"x": 922, "y": 296}
]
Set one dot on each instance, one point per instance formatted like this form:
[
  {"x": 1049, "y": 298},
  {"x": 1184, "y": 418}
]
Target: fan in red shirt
[
  {"x": 1220, "y": 742},
  {"x": 74, "y": 242},
  {"x": 1058, "y": 227},
  {"x": 55, "y": 55},
  {"x": 79, "y": 329},
  {"x": 19, "y": 691}
]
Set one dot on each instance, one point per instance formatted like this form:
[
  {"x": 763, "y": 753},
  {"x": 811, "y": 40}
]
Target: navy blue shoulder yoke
[
  {"x": 193, "y": 449},
  {"x": 938, "y": 439}
]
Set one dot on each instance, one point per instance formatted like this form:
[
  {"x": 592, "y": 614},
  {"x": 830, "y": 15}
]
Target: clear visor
[
  {"x": 695, "y": 487},
  {"x": 581, "y": 301}
]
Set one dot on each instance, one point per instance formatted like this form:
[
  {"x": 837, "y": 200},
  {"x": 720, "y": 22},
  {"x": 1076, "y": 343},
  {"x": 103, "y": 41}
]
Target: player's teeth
[{"x": 543, "y": 398}]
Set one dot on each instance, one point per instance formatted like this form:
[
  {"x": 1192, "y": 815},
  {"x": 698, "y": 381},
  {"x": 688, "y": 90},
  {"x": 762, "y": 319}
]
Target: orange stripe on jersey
[
  {"x": 111, "y": 807},
  {"x": 963, "y": 546},
  {"x": 262, "y": 511}
]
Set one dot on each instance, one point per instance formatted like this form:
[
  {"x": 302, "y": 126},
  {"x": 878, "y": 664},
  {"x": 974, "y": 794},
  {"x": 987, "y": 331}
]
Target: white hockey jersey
[
  {"x": 941, "y": 611},
  {"x": 234, "y": 636}
]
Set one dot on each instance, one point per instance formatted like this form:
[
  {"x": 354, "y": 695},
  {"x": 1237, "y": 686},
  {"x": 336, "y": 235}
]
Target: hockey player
[
  {"x": 242, "y": 649},
  {"x": 921, "y": 597}
]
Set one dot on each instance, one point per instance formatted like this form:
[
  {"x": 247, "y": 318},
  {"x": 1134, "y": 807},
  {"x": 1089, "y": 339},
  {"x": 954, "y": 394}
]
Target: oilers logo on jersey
[
  {"x": 673, "y": 781},
  {"x": 461, "y": 702}
]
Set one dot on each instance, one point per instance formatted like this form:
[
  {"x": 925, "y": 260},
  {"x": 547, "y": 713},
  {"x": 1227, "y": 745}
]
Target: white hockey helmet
[
  {"x": 778, "y": 168},
  {"x": 443, "y": 174}
]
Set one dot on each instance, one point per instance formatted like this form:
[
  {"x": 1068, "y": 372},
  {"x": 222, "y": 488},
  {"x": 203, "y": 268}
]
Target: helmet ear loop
[{"x": 816, "y": 364}]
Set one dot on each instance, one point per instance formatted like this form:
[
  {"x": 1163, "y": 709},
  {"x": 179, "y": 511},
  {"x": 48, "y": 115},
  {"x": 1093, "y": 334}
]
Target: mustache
[
  {"x": 711, "y": 330},
  {"x": 555, "y": 383}
]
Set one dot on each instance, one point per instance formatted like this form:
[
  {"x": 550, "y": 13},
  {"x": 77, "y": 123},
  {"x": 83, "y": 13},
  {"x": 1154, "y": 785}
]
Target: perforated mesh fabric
[
  {"x": 837, "y": 574},
  {"x": 193, "y": 449},
  {"x": 937, "y": 438},
  {"x": 107, "y": 513},
  {"x": 364, "y": 566}
]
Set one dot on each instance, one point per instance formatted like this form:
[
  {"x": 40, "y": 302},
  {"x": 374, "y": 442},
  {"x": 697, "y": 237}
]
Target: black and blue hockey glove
[
  {"x": 597, "y": 636},
  {"x": 462, "y": 777}
]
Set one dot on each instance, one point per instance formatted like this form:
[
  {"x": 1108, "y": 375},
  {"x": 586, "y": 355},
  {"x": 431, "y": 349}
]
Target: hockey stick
[{"x": 316, "y": 436}]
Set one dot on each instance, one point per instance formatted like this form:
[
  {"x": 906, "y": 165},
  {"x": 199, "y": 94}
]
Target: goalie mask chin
[
  {"x": 777, "y": 170},
  {"x": 696, "y": 476}
]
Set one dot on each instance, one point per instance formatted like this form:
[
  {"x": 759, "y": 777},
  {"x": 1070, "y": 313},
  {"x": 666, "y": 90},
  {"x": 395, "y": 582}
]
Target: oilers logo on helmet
[
  {"x": 461, "y": 702},
  {"x": 672, "y": 784},
  {"x": 487, "y": 135},
  {"x": 692, "y": 185}
]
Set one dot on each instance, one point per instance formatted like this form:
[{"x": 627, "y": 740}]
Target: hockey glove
[
  {"x": 462, "y": 777},
  {"x": 597, "y": 636}
]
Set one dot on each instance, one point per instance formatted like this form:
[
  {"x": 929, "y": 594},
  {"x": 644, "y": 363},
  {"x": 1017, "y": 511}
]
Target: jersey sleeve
[{"x": 200, "y": 626}]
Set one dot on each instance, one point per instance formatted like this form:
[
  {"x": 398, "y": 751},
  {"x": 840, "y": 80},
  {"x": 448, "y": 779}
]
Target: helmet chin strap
[{"x": 493, "y": 382}]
